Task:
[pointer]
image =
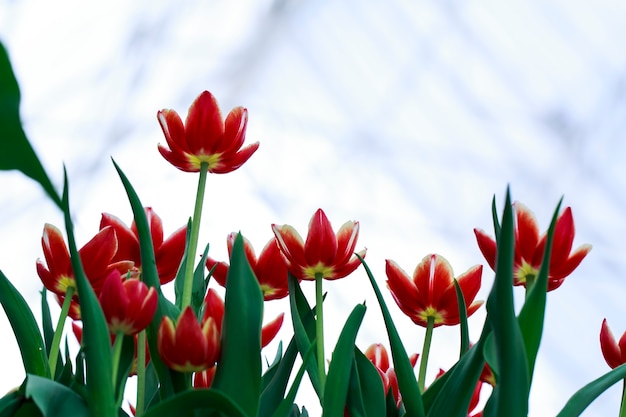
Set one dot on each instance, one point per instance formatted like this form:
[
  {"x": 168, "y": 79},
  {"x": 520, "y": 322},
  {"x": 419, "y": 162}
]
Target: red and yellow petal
[
  {"x": 292, "y": 247},
  {"x": 204, "y": 126},
  {"x": 610, "y": 349},
  {"x": 346, "y": 241},
  {"x": 127, "y": 242},
  {"x": 234, "y": 131},
  {"x": 527, "y": 231}
]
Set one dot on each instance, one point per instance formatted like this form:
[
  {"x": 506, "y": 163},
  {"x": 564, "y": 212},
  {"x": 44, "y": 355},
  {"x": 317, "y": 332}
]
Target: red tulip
[
  {"x": 614, "y": 352},
  {"x": 188, "y": 346},
  {"x": 324, "y": 252},
  {"x": 431, "y": 291},
  {"x": 377, "y": 354},
  {"x": 168, "y": 253},
  {"x": 128, "y": 306},
  {"x": 206, "y": 137},
  {"x": 97, "y": 258},
  {"x": 204, "y": 379},
  {"x": 530, "y": 246},
  {"x": 269, "y": 268}
]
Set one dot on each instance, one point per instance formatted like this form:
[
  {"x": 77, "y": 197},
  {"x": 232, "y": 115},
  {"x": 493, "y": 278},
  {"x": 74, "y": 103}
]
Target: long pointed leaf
[
  {"x": 25, "y": 329},
  {"x": 510, "y": 396},
  {"x": 286, "y": 406},
  {"x": 16, "y": 151},
  {"x": 96, "y": 341},
  {"x": 340, "y": 366},
  {"x": 368, "y": 385},
  {"x": 407, "y": 383},
  {"x": 531, "y": 316},
  {"x": 587, "y": 394},
  {"x": 199, "y": 399},
  {"x": 171, "y": 381},
  {"x": 238, "y": 372},
  {"x": 465, "y": 342},
  {"x": 54, "y": 399}
]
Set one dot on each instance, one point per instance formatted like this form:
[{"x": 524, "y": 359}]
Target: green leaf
[
  {"x": 275, "y": 381},
  {"x": 510, "y": 396},
  {"x": 338, "y": 379},
  {"x": 16, "y": 151},
  {"x": 465, "y": 342},
  {"x": 46, "y": 320},
  {"x": 286, "y": 406},
  {"x": 171, "y": 381},
  {"x": 407, "y": 383},
  {"x": 531, "y": 316},
  {"x": 124, "y": 366},
  {"x": 198, "y": 399},
  {"x": 54, "y": 399},
  {"x": 238, "y": 373},
  {"x": 587, "y": 394},
  {"x": 304, "y": 330},
  {"x": 96, "y": 341},
  {"x": 366, "y": 387},
  {"x": 25, "y": 329},
  {"x": 10, "y": 403}
]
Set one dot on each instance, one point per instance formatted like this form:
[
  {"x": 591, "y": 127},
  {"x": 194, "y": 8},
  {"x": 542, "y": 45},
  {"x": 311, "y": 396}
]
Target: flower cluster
[{"x": 202, "y": 351}]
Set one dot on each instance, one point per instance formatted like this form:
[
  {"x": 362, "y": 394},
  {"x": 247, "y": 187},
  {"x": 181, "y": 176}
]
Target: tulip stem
[
  {"x": 56, "y": 339},
  {"x": 193, "y": 239},
  {"x": 530, "y": 281},
  {"x": 117, "y": 352},
  {"x": 319, "y": 331},
  {"x": 141, "y": 373},
  {"x": 622, "y": 408},
  {"x": 430, "y": 324}
]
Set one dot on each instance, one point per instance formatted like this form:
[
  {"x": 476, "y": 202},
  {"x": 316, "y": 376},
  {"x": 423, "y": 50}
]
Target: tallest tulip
[
  {"x": 205, "y": 143},
  {"x": 206, "y": 137}
]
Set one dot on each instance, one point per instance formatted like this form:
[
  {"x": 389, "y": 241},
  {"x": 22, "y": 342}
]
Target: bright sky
[{"x": 406, "y": 116}]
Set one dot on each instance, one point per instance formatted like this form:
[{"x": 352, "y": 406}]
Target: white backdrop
[{"x": 407, "y": 116}]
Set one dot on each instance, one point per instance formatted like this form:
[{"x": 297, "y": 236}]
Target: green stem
[
  {"x": 530, "y": 281},
  {"x": 193, "y": 239},
  {"x": 141, "y": 373},
  {"x": 117, "y": 352},
  {"x": 622, "y": 408},
  {"x": 430, "y": 324},
  {"x": 319, "y": 330},
  {"x": 56, "y": 339}
]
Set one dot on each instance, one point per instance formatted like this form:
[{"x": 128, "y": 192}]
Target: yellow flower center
[
  {"x": 431, "y": 311},
  {"x": 324, "y": 270},
  {"x": 64, "y": 283},
  {"x": 211, "y": 160},
  {"x": 526, "y": 271}
]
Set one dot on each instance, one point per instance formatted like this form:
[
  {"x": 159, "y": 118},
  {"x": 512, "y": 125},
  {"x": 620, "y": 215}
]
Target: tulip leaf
[
  {"x": 56, "y": 400},
  {"x": 510, "y": 396},
  {"x": 465, "y": 343},
  {"x": 171, "y": 381},
  {"x": 287, "y": 405},
  {"x": 407, "y": 383},
  {"x": 238, "y": 373},
  {"x": 340, "y": 366},
  {"x": 275, "y": 380},
  {"x": 16, "y": 152},
  {"x": 46, "y": 321},
  {"x": 198, "y": 399},
  {"x": 25, "y": 328},
  {"x": 124, "y": 366},
  {"x": 587, "y": 394},
  {"x": 11, "y": 402},
  {"x": 531, "y": 316},
  {"x": 366, "y": 395},
  {"x": 95, "y": 341},
  {"x": 304, "y": 330}
]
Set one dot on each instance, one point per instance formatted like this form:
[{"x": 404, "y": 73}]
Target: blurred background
[{"x": 408, "y": 116}]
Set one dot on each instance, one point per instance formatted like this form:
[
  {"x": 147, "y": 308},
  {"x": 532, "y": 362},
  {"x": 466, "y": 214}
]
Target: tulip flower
[
  {"x": 97, "y": 258},
  {"x": 168, "y": 253},
  {"x": 377, "y": 354},
  {"x": 324, "y": 253},
  {"x": 431, "y": 292},
  {"x": 188, "y": 346},
  {"x": 429, "y": 298},
  {"x": 128, "y": 306},
  {"x": 204, "y": 379},
  {"x": 269, "y": 268},
  {"x": 530, "y": 247},
  {"x": 614, "y": 352},
  {"x": 205, "y": 137}
]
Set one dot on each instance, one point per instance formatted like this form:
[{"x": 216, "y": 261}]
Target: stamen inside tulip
[{"x": 430, "y": 311}]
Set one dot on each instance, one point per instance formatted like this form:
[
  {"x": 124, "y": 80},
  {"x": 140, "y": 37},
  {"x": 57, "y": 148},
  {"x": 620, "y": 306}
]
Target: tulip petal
[
  {"x": 609, "y": 347},
  {"x": 487, "y": 247},
  {"x": 204, "y": 126},
  {"x": 270, "y": 330},
  {"x": 321, "y": 242}
]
